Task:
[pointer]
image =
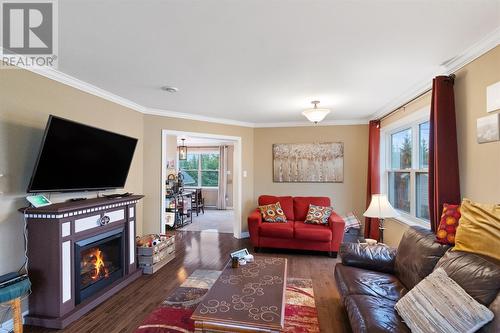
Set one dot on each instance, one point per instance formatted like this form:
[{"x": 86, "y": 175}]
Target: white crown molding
[
  {"x": 481, "y": 47},
  {"x": 190, "y": 116},
  {"x": 484, "y": 45},
  {"x": 71, "y": 81}
]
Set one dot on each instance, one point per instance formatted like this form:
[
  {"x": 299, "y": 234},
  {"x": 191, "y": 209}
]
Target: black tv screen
[{"x": 77, "y": 157}]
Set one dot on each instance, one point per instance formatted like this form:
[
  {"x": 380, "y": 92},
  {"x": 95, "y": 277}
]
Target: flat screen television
[{"x": 77, "y": 157}]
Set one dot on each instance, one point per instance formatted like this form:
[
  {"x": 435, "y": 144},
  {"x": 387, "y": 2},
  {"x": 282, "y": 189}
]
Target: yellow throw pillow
[{"x": 479, "y": 229}]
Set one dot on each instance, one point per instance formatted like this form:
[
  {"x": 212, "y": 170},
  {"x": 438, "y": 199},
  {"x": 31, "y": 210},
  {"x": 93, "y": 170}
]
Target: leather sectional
[{"x": 371, "y": 279}]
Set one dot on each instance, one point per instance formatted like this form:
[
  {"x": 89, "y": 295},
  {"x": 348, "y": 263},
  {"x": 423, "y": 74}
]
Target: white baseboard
[{"x": 8, "y": 325}]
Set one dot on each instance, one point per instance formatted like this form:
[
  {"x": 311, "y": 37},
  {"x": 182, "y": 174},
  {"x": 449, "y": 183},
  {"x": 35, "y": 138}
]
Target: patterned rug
[{"x": 174, "y": 314}]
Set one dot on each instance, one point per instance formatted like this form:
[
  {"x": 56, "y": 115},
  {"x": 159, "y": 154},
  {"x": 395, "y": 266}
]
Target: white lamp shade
[
  {"x": 380, "y": 207},
  {"x": 316, "y": 115}
]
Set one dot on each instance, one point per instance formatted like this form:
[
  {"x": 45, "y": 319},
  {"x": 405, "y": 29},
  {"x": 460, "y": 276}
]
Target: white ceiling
[{"x": 263, "y": 61}]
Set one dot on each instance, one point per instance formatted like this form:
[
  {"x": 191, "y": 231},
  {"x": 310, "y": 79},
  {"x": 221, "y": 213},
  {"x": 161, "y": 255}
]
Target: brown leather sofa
[{"x": 371, "y": 279}]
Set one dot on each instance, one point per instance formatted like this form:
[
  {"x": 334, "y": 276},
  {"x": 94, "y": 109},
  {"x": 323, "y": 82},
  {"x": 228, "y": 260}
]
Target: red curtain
[
  {"x": 444, "y": 181},
  {"x": 373, "y": 180}
]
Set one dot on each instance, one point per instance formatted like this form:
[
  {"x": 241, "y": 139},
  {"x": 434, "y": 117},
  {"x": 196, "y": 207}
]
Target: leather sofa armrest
[
  {"x": 254, "y": 220},
  {"x": 337, "y": 224},
  {"x": 379, "y": 258}
]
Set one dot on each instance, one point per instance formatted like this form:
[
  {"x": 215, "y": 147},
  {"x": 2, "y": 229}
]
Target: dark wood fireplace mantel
[{"x": 53, "y": 232}]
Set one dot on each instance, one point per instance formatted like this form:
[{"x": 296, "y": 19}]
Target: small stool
[{"x": 13, "y": 294}]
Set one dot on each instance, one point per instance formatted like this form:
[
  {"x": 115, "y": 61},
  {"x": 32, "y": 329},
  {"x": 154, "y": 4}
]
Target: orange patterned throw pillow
[
  {"x": 273, "y": 213},
  {"x": 318, "y": 214},
  {"x": 448, "y": 225}
]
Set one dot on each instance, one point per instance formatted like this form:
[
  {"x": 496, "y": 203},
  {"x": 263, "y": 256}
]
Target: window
[
  {"x": 201, "y": 169},
  {"x": 406, "y": 168}
]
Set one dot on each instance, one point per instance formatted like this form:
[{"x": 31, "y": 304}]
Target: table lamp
[{"x": 380, "y": 208}]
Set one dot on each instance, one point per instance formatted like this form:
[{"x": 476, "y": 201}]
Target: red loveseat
[{"x": 295, "y": 234}]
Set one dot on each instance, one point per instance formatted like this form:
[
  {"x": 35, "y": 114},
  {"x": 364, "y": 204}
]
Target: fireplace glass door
[{"x": 99, "y": 262}]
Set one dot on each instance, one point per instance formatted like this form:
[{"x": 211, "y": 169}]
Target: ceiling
[{"x": 263, "y": 61}]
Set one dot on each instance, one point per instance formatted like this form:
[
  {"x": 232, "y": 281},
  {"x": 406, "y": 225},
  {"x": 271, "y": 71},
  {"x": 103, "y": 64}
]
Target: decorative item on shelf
[
  {"x": 172, "y": 184},
  {"x": 180, "y": 181},
  {"x": 315, "y": 115},
  {"x": 183, "y": 152},
  {"x": 380, "y": 208}
]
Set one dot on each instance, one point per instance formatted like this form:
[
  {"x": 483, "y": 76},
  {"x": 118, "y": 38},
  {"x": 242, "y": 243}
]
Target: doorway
[{"x": 209, "y": 158}]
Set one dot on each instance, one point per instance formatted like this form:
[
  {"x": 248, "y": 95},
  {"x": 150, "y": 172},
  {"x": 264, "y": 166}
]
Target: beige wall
[
  {"x": 26, "y": 100},
  {"x": 171, "y": 150},
  {"x": 346, "y": 196},
  {"x": 210, "y": 195},
  {"x": 479, "y": 163},
  {"x": 153, "y": 126}
]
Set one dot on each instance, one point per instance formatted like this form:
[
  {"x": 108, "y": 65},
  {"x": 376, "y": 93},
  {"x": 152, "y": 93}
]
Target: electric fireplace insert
[{"x": 99, "y": 261}]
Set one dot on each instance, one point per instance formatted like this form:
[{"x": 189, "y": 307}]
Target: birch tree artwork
[{"x": 308, "y": 162}]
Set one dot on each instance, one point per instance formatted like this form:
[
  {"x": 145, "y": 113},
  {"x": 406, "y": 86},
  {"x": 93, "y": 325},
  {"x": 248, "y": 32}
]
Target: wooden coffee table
[{"x": 250, "y": 298}]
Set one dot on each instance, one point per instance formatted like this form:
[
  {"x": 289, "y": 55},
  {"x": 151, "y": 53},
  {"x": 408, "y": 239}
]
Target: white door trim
[{"x": 238, "y": 174}]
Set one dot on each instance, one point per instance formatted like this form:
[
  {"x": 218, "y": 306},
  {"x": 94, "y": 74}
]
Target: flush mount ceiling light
[
  {"x": 315, "y": 114},
  {"x": 170, "y": 89}
]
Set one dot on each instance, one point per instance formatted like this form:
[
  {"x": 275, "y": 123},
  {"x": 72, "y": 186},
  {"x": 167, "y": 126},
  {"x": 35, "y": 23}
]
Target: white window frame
[
  {"x": 199, "y": 170},
  {"x": 411, "y": 121}
]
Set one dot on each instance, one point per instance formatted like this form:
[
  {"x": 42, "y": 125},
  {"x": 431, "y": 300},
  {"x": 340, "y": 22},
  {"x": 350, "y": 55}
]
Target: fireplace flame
[{"x": 100, "y": 268}]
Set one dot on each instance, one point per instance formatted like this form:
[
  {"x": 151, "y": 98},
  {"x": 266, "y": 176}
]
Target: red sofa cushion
[
  {"x": 313, "y": 232},
  {"x": 286, "y": 204},
  {"x": 276, "y": 230},
  {"x": 301, "y": 205}
]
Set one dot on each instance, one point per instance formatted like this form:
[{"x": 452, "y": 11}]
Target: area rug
[{"x": 174, "y": 314}]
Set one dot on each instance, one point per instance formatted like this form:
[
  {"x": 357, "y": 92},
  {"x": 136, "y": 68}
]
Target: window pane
[
  {"x": 422, "y": 194},
  {"x": 399, "y": 190},
  {"x": 210, "y": 178},
  {"x": 190, "y": 177},
  {"x": 423, "y": 145},
  {"x": 210, "y": 161},
  {"x": 401, "y": 148},
  {"x": 190, "y": 164}
]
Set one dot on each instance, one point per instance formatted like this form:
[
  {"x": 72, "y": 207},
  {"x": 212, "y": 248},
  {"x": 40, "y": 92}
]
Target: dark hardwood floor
[{"x": 207, "y": 250}]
